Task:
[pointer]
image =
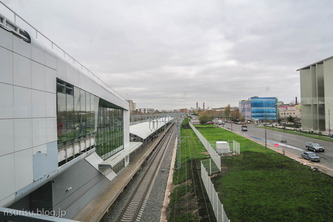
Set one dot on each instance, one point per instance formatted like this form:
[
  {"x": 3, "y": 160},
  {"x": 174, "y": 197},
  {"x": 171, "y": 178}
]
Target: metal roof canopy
[
  {"x": 115, "y": 159},
  {"x": 145, "y": 129}
]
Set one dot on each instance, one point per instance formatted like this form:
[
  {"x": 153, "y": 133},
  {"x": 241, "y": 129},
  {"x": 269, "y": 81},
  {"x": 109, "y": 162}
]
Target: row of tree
[
  {"x": 234, "y": 115},
  {"x": 228, "y": 114}
]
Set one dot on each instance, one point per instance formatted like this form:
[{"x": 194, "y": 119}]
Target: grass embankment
[
  {"x": 188, "y": 200},
  {"x": 262, "y": 185}
]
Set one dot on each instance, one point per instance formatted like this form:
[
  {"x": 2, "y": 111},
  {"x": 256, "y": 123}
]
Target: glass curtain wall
[
  {"x": 81, "y": 116},
  {"x": 264, "y": 108},
  {"x": 75, "y": 114},
  {"x": 110, "y": 132}
]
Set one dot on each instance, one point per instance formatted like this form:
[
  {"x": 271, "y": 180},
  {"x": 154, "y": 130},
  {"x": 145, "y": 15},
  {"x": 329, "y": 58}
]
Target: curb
[{"x": 169, "y": 186}]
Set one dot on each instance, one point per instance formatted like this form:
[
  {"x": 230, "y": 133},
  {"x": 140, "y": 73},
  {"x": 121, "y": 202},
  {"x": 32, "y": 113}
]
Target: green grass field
[
  {"x": 262, "y": 185},
  {"x": 187, "y": 202}
]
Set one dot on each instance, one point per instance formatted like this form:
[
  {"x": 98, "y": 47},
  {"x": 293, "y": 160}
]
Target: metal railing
[
  {"x": 20, "y": 22},
  {"x": 214, "y": 199}
]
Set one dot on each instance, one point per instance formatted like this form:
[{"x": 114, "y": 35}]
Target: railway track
[{"x": 134, "y": 206}]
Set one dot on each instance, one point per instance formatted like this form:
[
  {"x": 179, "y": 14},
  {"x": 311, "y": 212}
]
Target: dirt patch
[{"x": 206, "y": 153}]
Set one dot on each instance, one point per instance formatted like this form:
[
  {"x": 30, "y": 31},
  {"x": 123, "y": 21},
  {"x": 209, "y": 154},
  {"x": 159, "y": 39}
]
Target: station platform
[{"x": 98, "y": 206}]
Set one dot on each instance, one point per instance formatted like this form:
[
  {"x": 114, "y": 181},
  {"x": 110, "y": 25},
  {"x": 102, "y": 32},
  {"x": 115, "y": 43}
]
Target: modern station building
[
  {"x": 317, "y": 95},
  {"x": 64, "y": 133},
  {"x": 259, "y": 108}
]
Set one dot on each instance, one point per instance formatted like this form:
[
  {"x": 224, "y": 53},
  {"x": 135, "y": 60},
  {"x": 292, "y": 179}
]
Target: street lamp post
[
  {"x": 265, "y": 130},
  {"x": 329, "y": 123}
]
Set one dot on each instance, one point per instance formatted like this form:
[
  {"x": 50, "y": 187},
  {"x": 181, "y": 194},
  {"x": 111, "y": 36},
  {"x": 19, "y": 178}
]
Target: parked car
[
  {"x": 315, "y": 147},
  {"x": 311, "y": 156}
]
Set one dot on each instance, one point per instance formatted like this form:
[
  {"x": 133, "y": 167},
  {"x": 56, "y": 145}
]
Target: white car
[{"x": 315, "y": 147}]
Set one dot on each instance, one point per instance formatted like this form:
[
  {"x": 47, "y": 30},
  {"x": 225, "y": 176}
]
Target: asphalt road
[{"x": 295, "y": 144}]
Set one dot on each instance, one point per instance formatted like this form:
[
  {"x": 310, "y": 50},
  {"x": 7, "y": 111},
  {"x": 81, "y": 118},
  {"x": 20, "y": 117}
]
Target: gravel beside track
[
  {"x": 154, "y": 203},
  {"x": 152, "y": 211}
]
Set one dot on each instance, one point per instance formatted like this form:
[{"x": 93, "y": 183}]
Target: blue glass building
[{"x": 264, "y": 108}]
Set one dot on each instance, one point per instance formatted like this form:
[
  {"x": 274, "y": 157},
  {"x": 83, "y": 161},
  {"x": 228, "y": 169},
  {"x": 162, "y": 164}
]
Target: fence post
[
  {"x": 216, "y": 206},
  {"x": 222, "y": 211}
]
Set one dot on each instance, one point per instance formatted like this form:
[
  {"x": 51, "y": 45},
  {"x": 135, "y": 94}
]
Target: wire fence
[
  {"x": 214, "y": 199},
  {"x": 210, "y": 166},
  {"x": 212, "y": 152},
  {"x": 234, "y": 147}
]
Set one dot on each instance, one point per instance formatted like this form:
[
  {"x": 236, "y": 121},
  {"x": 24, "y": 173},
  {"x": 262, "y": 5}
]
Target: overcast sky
[{"x": 168, "y": 54}]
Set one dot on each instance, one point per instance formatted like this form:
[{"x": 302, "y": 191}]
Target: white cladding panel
[
  {"x": 51, "y": 61},
  {"x": 39, "y": 131},
  {"x": 6, "y": 62},
  {"x": 22, "y": 71},
  {"x": 328, "y": 80},
  {"x": 51, "y": 129},
  {"x": 6, "y": 102},
  {"x": 50, "y": 77},
  {"x": 126, "y": 116},
  {"x": 7, "y": 183},
  {"x": 38, "y": 54},
  {"x": 38, "y": 74},
  {"x": 51, "y": 104},
  {"x": 21, "y": 47},
  {"x": 28, "y": 106},
  {"x": 38, "y": 103},
  {"x": 6, "y": 137},
  {"x": 22, "y": 102},
  {"x": 6, "y": 40},
  {"x": 23, "y": 168},
  {"x": 23, "y": 134}
]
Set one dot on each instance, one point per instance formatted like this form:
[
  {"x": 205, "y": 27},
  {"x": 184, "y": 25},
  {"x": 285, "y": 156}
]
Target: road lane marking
[{"x": 280, "y": 144}]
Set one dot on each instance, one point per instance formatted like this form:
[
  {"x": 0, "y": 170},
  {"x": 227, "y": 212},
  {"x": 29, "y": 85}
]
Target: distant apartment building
[
  {"x": 290, "y": 110},
  {"x": 184, "y": 110},
  {"x": 259, "y": 108},
  {"x": 245, "y": 109},
  {"x": 146, "y": 110},
  {"x": 317, "y": 95},
  {"x": 132, "y": 105}
]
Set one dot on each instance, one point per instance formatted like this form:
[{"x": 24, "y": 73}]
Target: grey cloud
[{"x": 171, "y": 54}]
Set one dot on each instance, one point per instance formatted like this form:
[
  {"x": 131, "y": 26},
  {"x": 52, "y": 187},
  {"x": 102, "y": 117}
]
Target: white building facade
[
  {"x": 286, "y": 111},
  {"x": 60, "y": 125},
  {"x": 317, "y": 95}
]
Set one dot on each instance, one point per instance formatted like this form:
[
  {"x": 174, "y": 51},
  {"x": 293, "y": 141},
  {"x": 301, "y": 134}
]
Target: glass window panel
[
  {"x": 78, "y": 116},
  {"x": 88, "y": 102},
  {"x": 92, "y": 114},
  {"x": 61, "y": 119},
  {"x": 70, "y": 116},
  {"x": 77, "y": 109},
  {"x": 83, "y": 113},
  {"x": 109, "y": 129}
]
